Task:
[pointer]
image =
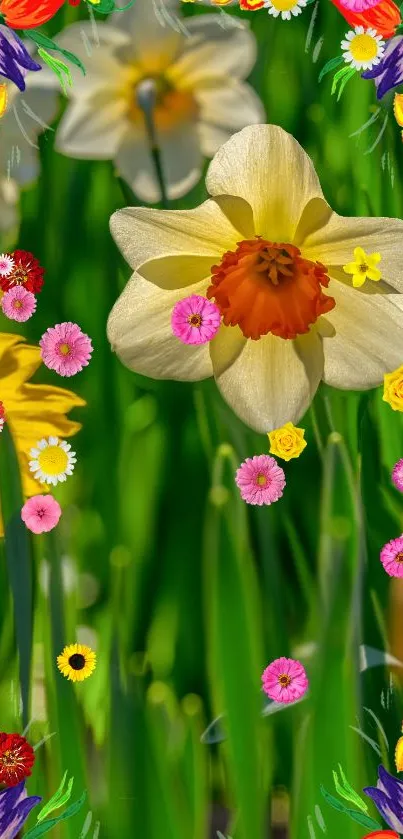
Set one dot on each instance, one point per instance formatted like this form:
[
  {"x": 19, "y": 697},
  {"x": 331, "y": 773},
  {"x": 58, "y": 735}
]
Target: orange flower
[
  {"x": 251, "y": 5},
  {"x": 26, "y": 14},
  {"x": 384, "y": 17}
]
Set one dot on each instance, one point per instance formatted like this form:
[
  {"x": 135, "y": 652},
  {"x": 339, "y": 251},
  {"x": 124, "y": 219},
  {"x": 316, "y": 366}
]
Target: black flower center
[{"x": 77, "y": 661}]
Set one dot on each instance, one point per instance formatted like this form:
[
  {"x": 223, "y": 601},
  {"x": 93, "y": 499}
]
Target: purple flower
[
  {"x": 389, "y": 72},
  {"x": 15, "y": 807},
  {"x": 388, "y": 798},
  {"x": 15, "y": 59}
]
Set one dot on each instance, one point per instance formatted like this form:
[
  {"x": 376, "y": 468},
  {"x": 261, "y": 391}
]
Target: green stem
[{"x": 146, "y": 99}]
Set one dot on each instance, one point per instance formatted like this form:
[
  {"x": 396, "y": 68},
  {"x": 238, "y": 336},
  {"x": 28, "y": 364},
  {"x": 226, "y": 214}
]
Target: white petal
[
  {"x": 270, "y": 381},
  {"x": 155, "y": 33},
  {"x": 369, "y": 338},
  {"x": 92, "y": 128},
  {"x": 139, "y": 330},
  {"x": 53, "y": 441},
  {"x": 269, "y": 169},
  {"x": 230, "y": 106}
]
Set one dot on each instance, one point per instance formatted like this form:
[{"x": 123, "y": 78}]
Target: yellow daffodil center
[
  {"x": 269, "y": 287},
  {"x": 171, "y": 106},
  {"x": 53, "y": 460},
  {"x": 364, "y": 267},
  {"x": 363, "y": 48},
  {"x": 284, "y": 680}
]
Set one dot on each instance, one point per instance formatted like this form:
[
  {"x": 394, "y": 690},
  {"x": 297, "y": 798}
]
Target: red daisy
[
  {"x": 17, "y": 758},
  {"x": 27, "y": 272}
]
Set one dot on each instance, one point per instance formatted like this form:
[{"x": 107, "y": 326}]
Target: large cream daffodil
[
  {"x": 201, "y": 99},
  {"x": 291, "y": 316}
]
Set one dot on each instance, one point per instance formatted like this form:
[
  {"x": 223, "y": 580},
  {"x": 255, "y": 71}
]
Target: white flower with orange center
[
  {"x": 269, "y": 251},
  {"x": 363, "y": 48},
  {"x": 286, "y": 8},
  {"x": 191, "y": 72}
]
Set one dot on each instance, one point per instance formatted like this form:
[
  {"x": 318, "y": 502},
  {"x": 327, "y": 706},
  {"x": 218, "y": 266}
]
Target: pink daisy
[
  {"x": 397, "y": 475},
  {"x": 18, "y": 303},
  {"x": 392, "y": 557},
  {"x": 195, "y": 320},
  {"x": 65, "y": 348},
  {"x": 285, "y": 680},
  {"x": 41, "y": 513},
  {"x": 6, "y": 264},
  {"x": 260, "y": 480}
]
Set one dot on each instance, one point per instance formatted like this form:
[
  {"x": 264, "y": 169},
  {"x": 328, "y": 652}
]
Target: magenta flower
[
  {"x": 195, "y": 320},
  {"x": 260, "y": 480},
  {"x": 285, "y": 680},
  {"x": 397, "y": 475},
  {"x": 65, "y": 348},
  {"x": 41, "y": 513},
  {"x": 18, "y": 303},
  {"x": 392, "y": 557}
]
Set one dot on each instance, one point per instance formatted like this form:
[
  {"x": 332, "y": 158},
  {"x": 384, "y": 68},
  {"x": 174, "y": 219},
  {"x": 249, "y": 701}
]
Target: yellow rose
[
  {"x": 287, "y": 442},
  {"x": 399, "y": 755},
  {"x": 393, "y": 389}
]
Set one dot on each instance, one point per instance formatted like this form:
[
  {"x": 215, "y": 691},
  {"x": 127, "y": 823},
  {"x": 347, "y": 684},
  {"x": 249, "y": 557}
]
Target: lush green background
[{"x": 195, "y": 592}]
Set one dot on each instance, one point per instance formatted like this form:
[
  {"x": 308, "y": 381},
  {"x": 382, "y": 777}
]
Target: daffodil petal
[
  {"x": 229, "y": 106},
  {"x": 86, "y": 120},
  {"x": 204, "y": 234},
  {"x": 368, "y": 340},
  {"x": 213, "y": 51},
  {"x": 139, "y": 330},
  {"x": 255, "y": 164},
  {"x": 270, "y": 381},
  {"x": 334, "y": 243},
  {"x": 155, "y": 37}
]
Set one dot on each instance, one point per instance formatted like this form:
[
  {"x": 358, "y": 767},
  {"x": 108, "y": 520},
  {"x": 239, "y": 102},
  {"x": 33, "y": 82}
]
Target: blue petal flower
[
  {"x": 388, "y": 798},
  {"x": 15, "y": 59},
  {"x": 389, "y": 72},
  {"x": 15, "y": 807}
]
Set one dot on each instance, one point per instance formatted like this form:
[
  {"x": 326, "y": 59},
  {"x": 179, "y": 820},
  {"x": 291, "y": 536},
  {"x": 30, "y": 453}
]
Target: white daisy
[
  {"x": 363, "y": 48},
  {"x": 285, "y": 8},
  {"x": 6, "y": 264},
  {"x": 53, "y": 461}
]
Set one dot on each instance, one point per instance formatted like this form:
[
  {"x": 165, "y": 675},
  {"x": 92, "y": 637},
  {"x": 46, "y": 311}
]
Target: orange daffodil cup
[{"x": 268, "y": 250}]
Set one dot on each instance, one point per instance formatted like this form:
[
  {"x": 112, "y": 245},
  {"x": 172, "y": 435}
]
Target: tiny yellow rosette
[
  {"x": 287, "y": 442},
  {"x": 399, "y": 754},
  {"x": 393, "y": 389}
]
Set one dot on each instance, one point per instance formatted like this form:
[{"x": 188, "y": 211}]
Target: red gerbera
[
  {"x": 27, "y": 272},
  {"x": 17, "y": 758}
]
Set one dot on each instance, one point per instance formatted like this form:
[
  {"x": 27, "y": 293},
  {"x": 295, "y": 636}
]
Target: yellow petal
[
  {"x": 359, "y": 280},
  {"x": 374, "y": 275},
  {"x": 351, "y": 268},
  {"x": 3, "y": 99},
  {"x": 398, "y": 108},
  {"x": 399, "y": 755},
  {"x": 271, "y": 171},
  {"x": 359, "y": 255},
  {"x": 373, "y": 259}
]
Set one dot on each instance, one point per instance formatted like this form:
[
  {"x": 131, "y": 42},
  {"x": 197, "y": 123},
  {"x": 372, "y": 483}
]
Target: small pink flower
[
  {"x": 358, "y": 6},
  {"x": 18, "y": 303},
  {"x": 195, "y": 320},
  {"x": 285, "y": 680},
  {"x": 41, "y": 513},
  {"x": 260, "y": 480},
  {"x": 65, "y": 348},
  {"x": 6, "y": 264},
  {"x": 397, "y": 475},
  {"x": 392, "y": 557}
]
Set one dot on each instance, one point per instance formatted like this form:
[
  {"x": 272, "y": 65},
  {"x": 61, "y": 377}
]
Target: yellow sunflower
[
  {"x": 77, "y": 662},
  {"x": 31, "y": 411}
]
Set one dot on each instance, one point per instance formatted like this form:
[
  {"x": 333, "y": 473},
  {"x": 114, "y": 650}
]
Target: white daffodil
[
  {"x": 195, "y": 70},
  {"x": 269, "y": 251}
]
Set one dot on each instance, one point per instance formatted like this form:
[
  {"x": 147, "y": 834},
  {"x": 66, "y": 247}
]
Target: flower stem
[{"x": 146, "y": 99}]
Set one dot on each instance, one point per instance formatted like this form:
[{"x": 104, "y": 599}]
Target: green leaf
[
  {"x": 58, "y": 67},
  {"x": 346, "y": 79},
  {"x": 330, "y": 65},
  {"x": 347, "y": 792},
  {"x": 358, "y": 817},
  {"x": 58, "y": 799},
  {"x": 107, "y": 6},
  {"x": 339, "y": 75},
  {"x": 44, "y": 827},
  {"x": 42, "y": 40}
]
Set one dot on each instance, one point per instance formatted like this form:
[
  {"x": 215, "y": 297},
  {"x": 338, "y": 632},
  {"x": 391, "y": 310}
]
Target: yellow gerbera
[
  {"x": 32, "y": 411},
  {"x": 269, "y": 251},
  {"x": 77, "y": 662}
]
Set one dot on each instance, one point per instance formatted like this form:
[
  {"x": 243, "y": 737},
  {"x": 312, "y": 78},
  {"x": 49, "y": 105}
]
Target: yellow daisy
[
  {"x": 77, "y": 662},
  {"x": 32, "y": 410},
  {"x": 364, "y": 267}
]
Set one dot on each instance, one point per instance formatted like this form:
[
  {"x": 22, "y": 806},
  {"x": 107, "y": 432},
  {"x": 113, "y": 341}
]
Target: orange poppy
[
  {"x": 26, "y": 14},
  {"x": 384, "y": 17}
]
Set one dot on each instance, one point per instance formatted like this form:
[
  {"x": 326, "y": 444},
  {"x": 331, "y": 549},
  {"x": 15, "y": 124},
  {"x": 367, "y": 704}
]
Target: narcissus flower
[
  {"x": 287, "y": 442},
  {"x": 363, "y": 48},
  {"x": 363, "y": 267},
  {"x": 76, "y": 662},
  {"x": 27, "y": 14},
  {"x": 381, "y": 15},
  {"x": 285, "y": 680},
  {"x": 17, "y": 758},
  {"x": 272, "y": 261},
  {"x": 393, "y": 389}
]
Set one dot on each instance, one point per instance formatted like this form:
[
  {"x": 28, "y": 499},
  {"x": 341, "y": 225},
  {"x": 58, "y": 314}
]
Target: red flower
[
  {"x": 251, "y": 5},
  {"x": 17, "y": 758},
  {"x": 26, "y": 14},
  {"x": 27, "y": 271},
  {"x": 2, "y": 411},
  {"x": 384, "y": 17}
]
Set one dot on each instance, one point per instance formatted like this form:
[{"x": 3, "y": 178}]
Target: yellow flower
[
  {"x": 287, "y": 442},
  {"x": 393, "y": 389},
  {"x": 31, "y": 411},
  {"x": 398, "y": 108},
  {"x": 76, "y": 662},
  {"x": 363, "y": 267},
  {"x": 268, "y": 249},
  {"x": 399, "y": 754}
]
